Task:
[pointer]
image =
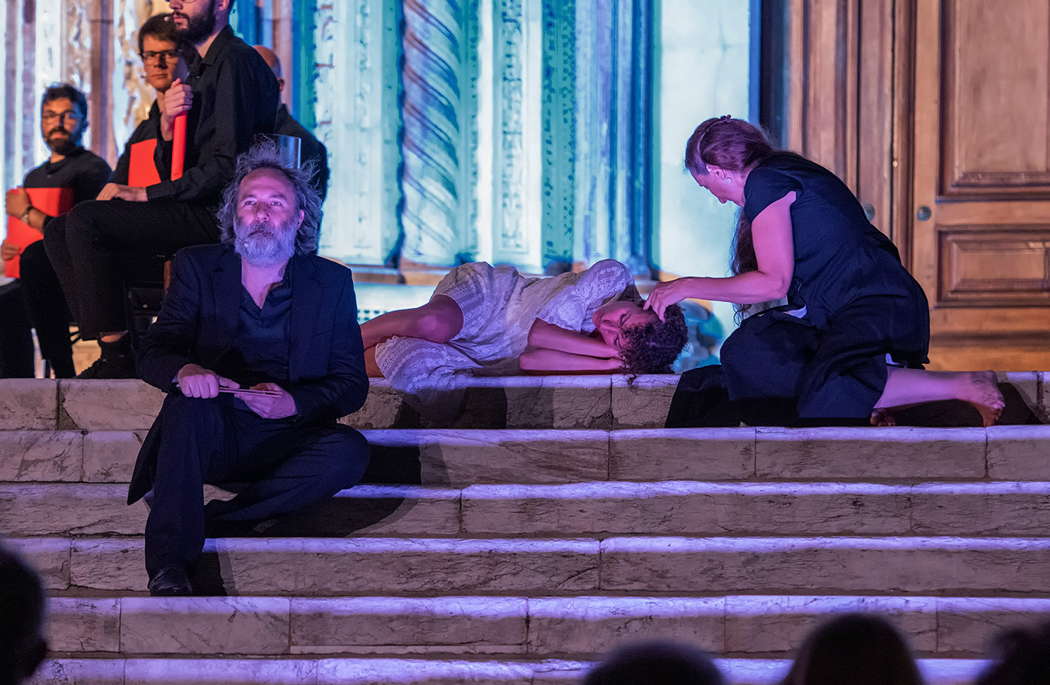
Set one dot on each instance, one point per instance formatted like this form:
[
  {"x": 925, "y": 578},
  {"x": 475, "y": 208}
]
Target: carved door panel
[{"x": 980, "y": 187}]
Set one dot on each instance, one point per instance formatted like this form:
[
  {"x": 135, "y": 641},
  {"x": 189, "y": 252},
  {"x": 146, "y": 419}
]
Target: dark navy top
[
  {"x": 260, "y": 351},
  {"x": 839, "y": 255}
]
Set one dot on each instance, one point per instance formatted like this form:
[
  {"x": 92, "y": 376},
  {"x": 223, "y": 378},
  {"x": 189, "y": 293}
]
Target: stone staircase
[{"x": 538, "y": 527}]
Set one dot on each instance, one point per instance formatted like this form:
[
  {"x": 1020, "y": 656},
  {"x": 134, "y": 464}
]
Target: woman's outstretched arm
[
  {"x": 545, "y": 360},
  {"x": 437, "y": 321},
  {"x": 548, "y": 336},
  {"x": 771, "y": 233}
]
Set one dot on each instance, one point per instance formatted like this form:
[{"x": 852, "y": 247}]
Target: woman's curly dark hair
[{"x": 653, "y": 347}]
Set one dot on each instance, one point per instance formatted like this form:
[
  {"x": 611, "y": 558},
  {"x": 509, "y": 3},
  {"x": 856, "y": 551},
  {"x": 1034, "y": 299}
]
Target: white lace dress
[{"x": 499, "y": 307}]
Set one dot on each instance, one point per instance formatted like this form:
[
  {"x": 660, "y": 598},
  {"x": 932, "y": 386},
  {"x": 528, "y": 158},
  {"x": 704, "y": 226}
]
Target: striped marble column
[
  {"x": 613, "y": 134},
  {"x": 438, "y": 138}
]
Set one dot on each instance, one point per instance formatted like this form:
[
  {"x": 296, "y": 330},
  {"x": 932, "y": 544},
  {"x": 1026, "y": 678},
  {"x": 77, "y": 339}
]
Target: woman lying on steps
[{"x": 494, "y": 321}]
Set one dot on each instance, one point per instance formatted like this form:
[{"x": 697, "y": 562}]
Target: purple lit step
[
  {"x": 458, "y": 458},
  {"x": 338, "y": 566},
  {"x": 418, "y": 671},
  {"x": 580, "y": 626},
  {"x": 588, "y": 508},
  {"x": 880, "y": 565}
]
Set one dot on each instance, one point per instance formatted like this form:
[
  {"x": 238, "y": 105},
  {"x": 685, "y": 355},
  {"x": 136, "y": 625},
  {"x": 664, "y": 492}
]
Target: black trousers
[
  {"x": 779, "y": 370},
  {"x": 277, "y": 466},
  {"x": 16, "y": 338},
  {"x": 48, "y": 311},
  {"x": 86, "y": 247}
]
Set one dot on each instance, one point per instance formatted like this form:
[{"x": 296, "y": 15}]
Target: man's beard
[
  {"x": 263, "y": 244},
  {"x": 62, "y": 145},
  {"x": 200, "y": 27}
]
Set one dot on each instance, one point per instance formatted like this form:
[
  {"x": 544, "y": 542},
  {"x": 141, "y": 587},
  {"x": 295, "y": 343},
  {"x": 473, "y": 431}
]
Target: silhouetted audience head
[
  {"x": 854, "y": 649},
  {"x": 655, "y": 663},
  {"x": 1020, "y": 656},
  {"x": 22, "y": 644}
]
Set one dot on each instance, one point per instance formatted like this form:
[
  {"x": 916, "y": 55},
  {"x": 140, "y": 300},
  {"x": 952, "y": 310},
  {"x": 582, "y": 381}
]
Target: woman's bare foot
[
  {"x": 981, "y": 389},
  {"x": 882, "y": 418}
]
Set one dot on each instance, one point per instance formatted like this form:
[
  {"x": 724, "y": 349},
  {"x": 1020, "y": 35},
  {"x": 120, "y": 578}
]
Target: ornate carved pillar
[
  {"x": 559, "y": 133},
  {"x": 517, "y": 134},
  {"x": 357, "y": 119},
  {"x": 439, "y": 136},
  {"x": 610, "y": 72},
  {"x": 598, "y": 107},
  {"x": 17, "y": 143}
]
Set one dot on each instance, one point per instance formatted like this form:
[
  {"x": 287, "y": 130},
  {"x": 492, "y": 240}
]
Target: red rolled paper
[
  {"x": 50, "y": 201},
  {"x": 178, "y": 147}
]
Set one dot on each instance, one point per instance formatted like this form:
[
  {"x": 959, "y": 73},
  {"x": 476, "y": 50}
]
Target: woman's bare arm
[
  {"x": 771, "y": 232},
  {"x": 544, "y": 360},
  {"x": 551, "y": 337}
]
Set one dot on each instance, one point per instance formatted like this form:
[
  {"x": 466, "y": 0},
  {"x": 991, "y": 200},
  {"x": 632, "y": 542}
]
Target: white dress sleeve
[{"x": 573, "y": 306}]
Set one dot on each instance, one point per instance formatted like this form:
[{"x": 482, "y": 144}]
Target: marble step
[
  {"x": 600, "y": 401},
  {"x": 458, "y": 458},
  {"x": 379, "y": 671},
  {"x": 591, "y": 509},
  {"x": 530, "y": 627},
  {"x": 628, "y": 565}
]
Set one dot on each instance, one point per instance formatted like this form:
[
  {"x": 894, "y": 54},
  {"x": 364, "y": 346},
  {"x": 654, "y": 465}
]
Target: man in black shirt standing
[
  {"x": 76, "y": 175},
  {"x": 230, "y": 96},
  {"x": 311, "y": 149}
]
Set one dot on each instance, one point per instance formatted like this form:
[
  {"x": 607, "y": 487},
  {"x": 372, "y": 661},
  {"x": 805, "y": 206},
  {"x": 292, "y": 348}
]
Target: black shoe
[
  {"x": 170, "y": 581},
  {"x": 117, "y": 361}
]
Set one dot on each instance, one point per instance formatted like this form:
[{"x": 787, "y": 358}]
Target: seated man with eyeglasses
[
  {"x": 162, "y": 63},
  {"x": 30, "y": 294},
  {"x": 229, "y": 97}
]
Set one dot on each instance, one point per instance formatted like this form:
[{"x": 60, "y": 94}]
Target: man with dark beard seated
[
  {"x": 70, "y": 175},
  {"x": 259, "y": 312},
  {"x": 230, "y": 97}
]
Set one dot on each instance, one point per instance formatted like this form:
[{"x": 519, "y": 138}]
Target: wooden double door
[
  {"x": 940, "y": 121},
  {"x": 980, "y": 180}
]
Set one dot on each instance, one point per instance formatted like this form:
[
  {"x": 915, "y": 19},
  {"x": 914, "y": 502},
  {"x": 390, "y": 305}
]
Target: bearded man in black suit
[{"x": 258, "y": 347}]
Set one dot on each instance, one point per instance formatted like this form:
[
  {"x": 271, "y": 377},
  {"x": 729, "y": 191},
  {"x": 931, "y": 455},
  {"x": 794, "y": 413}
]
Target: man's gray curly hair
[{"x": 264, "y": 155}]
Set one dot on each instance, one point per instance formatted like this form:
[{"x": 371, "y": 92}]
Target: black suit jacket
[{"x": 198, "y": 322}]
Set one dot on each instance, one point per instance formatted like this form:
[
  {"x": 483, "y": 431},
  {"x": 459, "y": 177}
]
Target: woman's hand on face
[{"x": 663, "y": 295}]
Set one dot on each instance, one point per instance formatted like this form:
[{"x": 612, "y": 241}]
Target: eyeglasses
[
  {"x": 156, "y": 55},
  {"x": 68, "y": 115}
]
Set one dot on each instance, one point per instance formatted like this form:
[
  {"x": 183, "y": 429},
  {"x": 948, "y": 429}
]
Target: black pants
[
  {"x": 48, "y": 311},
  {"x": 779, "y": 370},
  {"x": 16, "y": 338},
  {"x": 279, "y": 466},
  {"x": 86, "y": 245}
]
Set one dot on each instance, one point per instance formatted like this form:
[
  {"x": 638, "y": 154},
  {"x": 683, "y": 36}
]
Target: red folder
[
  {"x": 50, "y": 201},
  {"x": 142, "y": 171}
]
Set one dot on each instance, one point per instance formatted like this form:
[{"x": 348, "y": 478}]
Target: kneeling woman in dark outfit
[{"x": 849, "y": 346}]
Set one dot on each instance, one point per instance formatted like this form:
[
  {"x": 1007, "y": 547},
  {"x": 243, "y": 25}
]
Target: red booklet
[
  {"x": 50, "y": 201},
  {"x": 142, "y": 171}
]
